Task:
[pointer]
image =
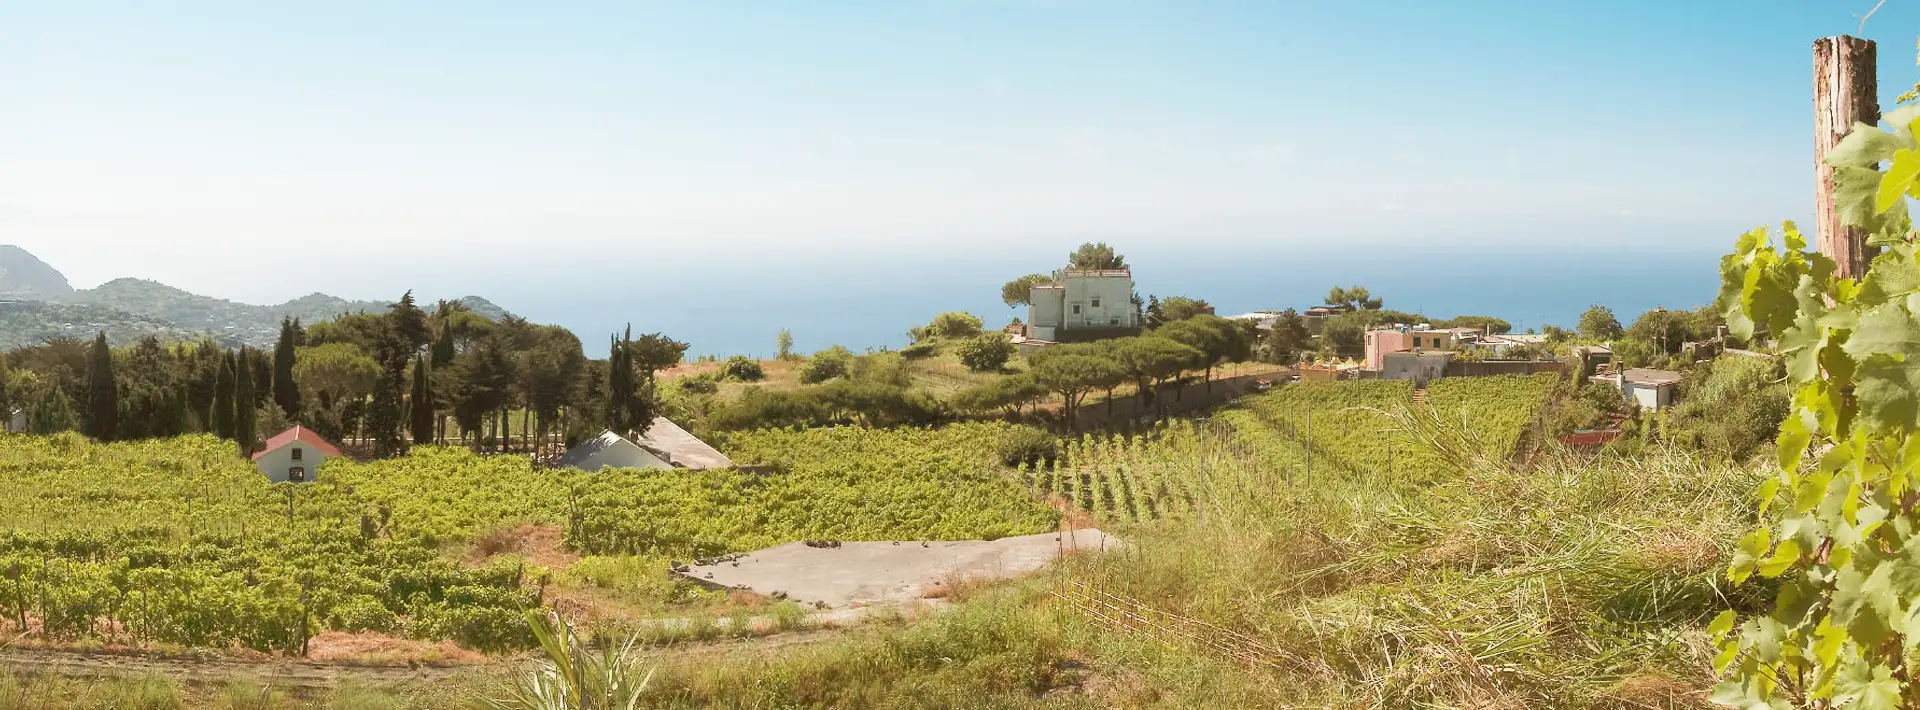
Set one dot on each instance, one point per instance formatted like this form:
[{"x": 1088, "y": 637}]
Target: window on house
[
  {"x": 1076, "y": 309},
  {"x": 297, "y": 474},
  {"x": 1096, "y": 303},
  {"x": 1114, "y": 320},
  {"x": 296, "y": 453}
]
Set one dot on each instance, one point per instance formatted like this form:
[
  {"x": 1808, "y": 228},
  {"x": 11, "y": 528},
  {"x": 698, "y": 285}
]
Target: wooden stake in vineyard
[{"x": 1845, "y": 91}]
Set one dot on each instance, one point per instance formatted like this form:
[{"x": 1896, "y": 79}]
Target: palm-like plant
[{"x": 575, "y": 677}]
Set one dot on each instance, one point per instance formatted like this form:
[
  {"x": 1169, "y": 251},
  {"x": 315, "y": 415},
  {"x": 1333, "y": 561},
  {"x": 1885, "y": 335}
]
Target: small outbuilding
[
  {"x": 664, "y": 445},
  {"x": 294, "y": 455},
  {"x": 1646, "y": 388}
]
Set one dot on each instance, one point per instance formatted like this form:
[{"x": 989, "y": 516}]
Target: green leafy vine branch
[{"x": 1840, "y": 522}]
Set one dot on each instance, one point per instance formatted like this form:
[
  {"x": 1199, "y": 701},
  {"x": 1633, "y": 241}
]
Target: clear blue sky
[{"x": 171, "y": 140}]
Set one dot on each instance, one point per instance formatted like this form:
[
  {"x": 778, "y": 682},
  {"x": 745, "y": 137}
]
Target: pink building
[
  {"x": 1397, "y": 340},
  {"x": 1383, "y": 341}
]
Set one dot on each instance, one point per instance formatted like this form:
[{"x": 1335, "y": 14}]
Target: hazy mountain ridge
[
  {"x": 47, "y": 306},
  {"x": 24, "y": 275}
]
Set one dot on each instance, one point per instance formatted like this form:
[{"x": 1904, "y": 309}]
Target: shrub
[
  {"x": 826, "y": 365},
  {"x": 1026, "y": 446},
  {"x": 918, "y": 351},
  {"x": 987, "y": 352},
  {"x": 954, "y": 324},
  {"x": 701, "y": 384},
  {"x": 1735, "y": 410},
  {"x": 742, "y": 368}
]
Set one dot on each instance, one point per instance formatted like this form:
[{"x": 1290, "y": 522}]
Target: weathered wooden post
[{"x": 1845, "y": 91}]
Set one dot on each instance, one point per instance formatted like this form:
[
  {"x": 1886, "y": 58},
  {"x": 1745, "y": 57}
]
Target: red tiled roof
[
  {"x": 302, "y": 435},
  {"x": 1590, "y": 438}
]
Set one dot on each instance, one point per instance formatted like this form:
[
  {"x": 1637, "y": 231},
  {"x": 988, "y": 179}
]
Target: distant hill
[
  {"x": 44, "y": 305},
  {"x": 23, "y": 275},
  {"x": 24, "y": 323}
]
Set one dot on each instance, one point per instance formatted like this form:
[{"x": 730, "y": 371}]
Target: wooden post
[{"x": 1845, "y": 91}]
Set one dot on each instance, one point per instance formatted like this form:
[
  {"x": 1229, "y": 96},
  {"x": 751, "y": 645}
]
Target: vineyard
[
  {"x": 1244, "y": 460},
  {"x": 846, "y": 483},
  {"x": 180, "y": 542}
]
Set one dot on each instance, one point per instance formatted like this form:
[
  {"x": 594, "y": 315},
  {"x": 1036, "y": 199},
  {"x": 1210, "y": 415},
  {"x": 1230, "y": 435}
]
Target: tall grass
[{"x": 1578, "y": 582}]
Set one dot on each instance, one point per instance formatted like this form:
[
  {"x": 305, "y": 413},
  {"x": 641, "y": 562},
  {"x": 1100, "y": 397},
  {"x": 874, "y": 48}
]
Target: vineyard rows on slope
[
  {"x": 1240, "y": 461},
  {"x": 180, "y": 542}
]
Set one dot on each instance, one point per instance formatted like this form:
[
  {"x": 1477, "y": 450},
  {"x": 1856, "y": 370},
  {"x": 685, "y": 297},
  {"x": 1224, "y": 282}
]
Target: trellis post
[{"x": 1845, "y": 91}]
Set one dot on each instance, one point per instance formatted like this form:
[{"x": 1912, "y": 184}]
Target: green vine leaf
[
  {"x": 1898, "y": 180},
  {"x": 1864, "y": 147},
  {"x": 1867, "y": 605},
  {"x": 1887, "y": 330},
  {"x": 1867, "y": 686},
  {"x": 1746, "y": 557},
  {"x": 1887, "y": 390},
  {"x": 1785, "y": 555}
]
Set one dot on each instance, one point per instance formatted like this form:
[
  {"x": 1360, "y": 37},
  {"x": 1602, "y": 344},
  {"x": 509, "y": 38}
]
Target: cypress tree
[
  {"x": 103, "y": 396},
  {"x": 421, "y": 416},
  {"x": 243, "y": 405},
  {"x": 619, "y": 386},
  {"x": 260, "y": 368},
  {"x": 180, "y": 422},
  {"x": 285, "y": 392},
  {"x": 443, "y": 347},
  {"x": 55, "y": 413},
  {"x": 223, "y": 388}
]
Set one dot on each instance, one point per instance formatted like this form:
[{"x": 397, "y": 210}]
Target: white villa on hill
[{"x": 1081, "y": 300}]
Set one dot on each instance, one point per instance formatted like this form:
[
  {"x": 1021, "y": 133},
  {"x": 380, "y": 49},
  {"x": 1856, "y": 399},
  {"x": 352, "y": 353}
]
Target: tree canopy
[
  {"x": 1019, "y": 292},
  {"x": 1161, "y": 311},
  {"x": 1095, "y": 256},
  {"x": 1355, "y": 297},
  {"x": 1598, "y": 323}
]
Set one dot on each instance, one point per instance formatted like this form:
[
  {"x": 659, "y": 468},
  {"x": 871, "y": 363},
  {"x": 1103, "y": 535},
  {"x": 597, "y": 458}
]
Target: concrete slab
[{"x": 867, "y": 573}]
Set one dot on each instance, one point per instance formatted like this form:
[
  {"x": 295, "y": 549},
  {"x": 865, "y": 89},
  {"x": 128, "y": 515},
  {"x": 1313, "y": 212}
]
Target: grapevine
[{"x": 1838, "y": 520}]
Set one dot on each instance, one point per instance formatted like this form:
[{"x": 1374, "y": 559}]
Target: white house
[
  {"x": 294, "y": 455},
  {"x": 1081, "y": 300},
  {"x": 1649, "y": 389},
  {"x": 663, "y": 445}
]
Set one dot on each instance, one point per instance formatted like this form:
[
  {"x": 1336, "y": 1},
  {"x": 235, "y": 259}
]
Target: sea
[{"x": 739, "y": 306}]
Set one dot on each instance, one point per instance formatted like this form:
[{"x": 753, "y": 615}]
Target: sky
[{"x": 531, "y": 151}]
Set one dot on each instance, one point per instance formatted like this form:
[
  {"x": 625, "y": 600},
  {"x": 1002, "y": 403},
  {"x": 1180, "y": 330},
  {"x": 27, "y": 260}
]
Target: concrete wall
[
  {"x": 1488, "y": 368},
  {"x": 1046, "y": 303},
  {"x": 1099, "y": 302},
  {"x": 1419, "y": 367},
  {"x": 1649, "y": 396},
  {"x": 278, "y": 464},
  {"x": 1315, "y": 374}
]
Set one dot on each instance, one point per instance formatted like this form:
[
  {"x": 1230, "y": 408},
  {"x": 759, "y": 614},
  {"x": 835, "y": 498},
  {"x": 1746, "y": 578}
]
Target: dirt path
[
  {"x": 286, "y": 673},
  {"x": 305, "y": 676}
]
